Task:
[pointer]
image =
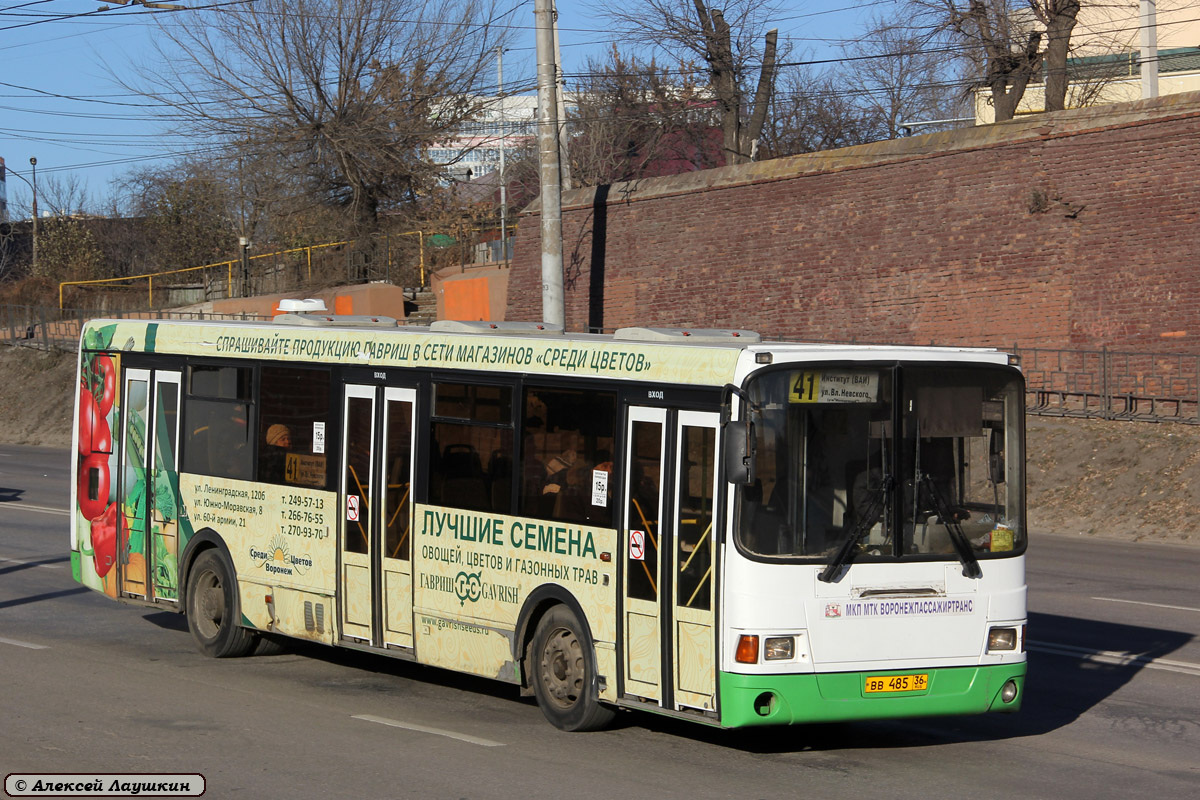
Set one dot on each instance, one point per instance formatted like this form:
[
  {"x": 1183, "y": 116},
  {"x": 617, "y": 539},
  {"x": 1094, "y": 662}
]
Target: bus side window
[
  {"x": 293, "y": 405},
  {"x": 219, "y": 416},
  {"x": 567, "y": 438},
  {"x": 470, "y": 461},
  {"x": 218, "y": 440}
]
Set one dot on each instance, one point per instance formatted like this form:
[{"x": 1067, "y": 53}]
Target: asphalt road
[{"x": 86, "y": 684}]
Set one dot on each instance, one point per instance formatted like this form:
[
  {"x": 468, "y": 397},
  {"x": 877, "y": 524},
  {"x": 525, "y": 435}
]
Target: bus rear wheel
[
  {"x": 212, "y": 608},
  {"x": 564, "y": 674}
]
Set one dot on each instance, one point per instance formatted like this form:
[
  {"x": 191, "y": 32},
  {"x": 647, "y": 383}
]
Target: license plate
[{"x": 897, "y": 683}]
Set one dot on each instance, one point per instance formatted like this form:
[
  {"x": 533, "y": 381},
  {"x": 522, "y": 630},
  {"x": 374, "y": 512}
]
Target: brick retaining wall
[{"x": 1079, "y": 229}]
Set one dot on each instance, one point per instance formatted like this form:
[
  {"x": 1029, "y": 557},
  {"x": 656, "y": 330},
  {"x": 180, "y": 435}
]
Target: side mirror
[
  {"x": 740, "y": 446},
  {"x": 996, "y": 456}
]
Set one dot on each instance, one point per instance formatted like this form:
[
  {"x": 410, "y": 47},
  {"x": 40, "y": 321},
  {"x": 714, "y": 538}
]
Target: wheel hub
[{"x": 562, "y": 669}]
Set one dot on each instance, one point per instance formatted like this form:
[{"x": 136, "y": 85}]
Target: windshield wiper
[
  {"x": 861, "y": 527},
  {"x": 959, "y": 539}
]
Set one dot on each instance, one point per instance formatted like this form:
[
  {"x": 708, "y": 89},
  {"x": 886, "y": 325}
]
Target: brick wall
[{"x": 1072, "y": 230}]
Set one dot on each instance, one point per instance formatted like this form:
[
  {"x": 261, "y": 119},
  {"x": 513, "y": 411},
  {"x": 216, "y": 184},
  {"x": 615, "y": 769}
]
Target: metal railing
[
  {"x": 49, "y": 328},
  {"x": 1112, "y": 384},
  {"x": 403, "y": 258}
]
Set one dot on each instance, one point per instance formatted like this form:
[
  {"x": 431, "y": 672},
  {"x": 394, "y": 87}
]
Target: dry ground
[{"x": 1127, "y": 480}]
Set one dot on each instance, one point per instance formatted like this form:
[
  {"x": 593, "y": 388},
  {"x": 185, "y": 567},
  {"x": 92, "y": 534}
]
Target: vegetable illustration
[
  {"x": 94, "y": 480},
  {"x": 104, "y": 540},
  {"x": 103, "y": 383},
  {"x": 94, "y": 433}
]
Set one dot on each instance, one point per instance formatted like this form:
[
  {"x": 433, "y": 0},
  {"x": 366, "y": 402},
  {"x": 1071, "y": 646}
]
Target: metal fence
[
  {"x": 1112, "y": 384},
  {"x": 48, "y": 328},
  {"x": 1097, "y": 384}
]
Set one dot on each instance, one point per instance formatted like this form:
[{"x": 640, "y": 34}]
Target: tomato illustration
[
  {"x": 92, "y": 501},
  {"x": 104, "y": 540},
  {"x": 104, "y": 378},
  {"x": 94, "y": 434}
]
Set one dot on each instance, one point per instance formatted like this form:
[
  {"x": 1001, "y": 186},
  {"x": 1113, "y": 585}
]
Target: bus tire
[
  {"x": 212, "y": 608},
  {"x": 563, "y": 673}
]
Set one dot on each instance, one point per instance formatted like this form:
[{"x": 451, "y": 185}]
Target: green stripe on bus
[{"x": 833, "y": 697}]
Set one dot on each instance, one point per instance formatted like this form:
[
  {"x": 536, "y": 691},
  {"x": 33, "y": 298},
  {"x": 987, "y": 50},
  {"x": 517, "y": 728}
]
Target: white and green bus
[{"x": 695, "y": 523}]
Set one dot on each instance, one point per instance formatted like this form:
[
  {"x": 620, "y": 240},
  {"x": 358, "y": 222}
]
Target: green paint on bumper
[
  {"x": 76, "y": 567},
  {"x": 840, "y": 696}
]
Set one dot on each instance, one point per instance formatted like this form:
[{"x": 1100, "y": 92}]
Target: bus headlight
[
  {"x": 779, "y": 648},
  {"x": 1002, "y": 639}
]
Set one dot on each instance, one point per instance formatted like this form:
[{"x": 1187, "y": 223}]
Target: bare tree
[
  {"x": 63, "y": 195},
  {"x": 727, "y": 39},
  {"x": 1058, "y": 17},
  {"x": 1008, "y": 42},
  {"x": 813, "y": 112},
  {"x": 67, "y": 250},
  {"x": 634, "y": 119},
  {"x": 185, "y": 210},
  {"x": 345, "y": 95},
  {"x": 899, "y": 74},
  {"x": 1000, "y": 39}
]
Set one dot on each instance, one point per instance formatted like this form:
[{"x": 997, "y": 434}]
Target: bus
[{"x": 696, "y": 523}]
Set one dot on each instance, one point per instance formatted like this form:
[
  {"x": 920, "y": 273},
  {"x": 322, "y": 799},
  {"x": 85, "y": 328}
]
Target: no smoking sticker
[
  {"x": 637, "y": 545},
  {"x": 352, "y": 507}
]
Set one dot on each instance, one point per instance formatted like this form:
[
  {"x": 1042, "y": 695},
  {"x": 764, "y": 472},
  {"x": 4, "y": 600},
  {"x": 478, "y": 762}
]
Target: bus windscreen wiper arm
[
  {"x": 959, "y": 539},
  {"x": 861, "y": 526}
]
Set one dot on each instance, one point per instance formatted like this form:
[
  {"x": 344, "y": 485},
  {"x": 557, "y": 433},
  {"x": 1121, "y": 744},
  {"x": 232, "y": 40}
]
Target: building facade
[{"x": 506, "y": 123}]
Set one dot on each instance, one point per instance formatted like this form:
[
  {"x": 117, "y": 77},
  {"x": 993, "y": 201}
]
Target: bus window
[
  {"x": 225, "y": 383},
  {"x": 838, "y": 463},
  {"x": 958, "y": 427},
  {"x": 219, "y": 419},
  {"x": 699, "y": 451},
  {"x": 643, "y": 513},
  {"x": 293, "y": 410},
  {"x": 566, "y": 455},
  {"x": 471, "y": 449},
  {"x": 824, "y": 451}
]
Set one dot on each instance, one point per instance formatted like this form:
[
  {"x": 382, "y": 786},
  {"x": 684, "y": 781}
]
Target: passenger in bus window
[{"x": 273, "y": 465}]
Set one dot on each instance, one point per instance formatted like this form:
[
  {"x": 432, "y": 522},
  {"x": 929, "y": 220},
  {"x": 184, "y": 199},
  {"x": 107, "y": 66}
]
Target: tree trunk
[
  {"x": 1058, "y": 41},
  {"x": 723, "y": 79},
  {"x": 762, "y": 95},
  {"x": 1010, "y": 74}
]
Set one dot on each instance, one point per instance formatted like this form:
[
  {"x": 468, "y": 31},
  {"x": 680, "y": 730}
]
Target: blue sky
[{"x": 59, "y": 104}]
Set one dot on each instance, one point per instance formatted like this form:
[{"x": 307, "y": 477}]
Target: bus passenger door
[
  {"x": 148, "y": 490},
  {"x": 645, "y": 465},
  {"x": 693, "y": 561},
  {"x": 358, "y": 523},
  {"x": 375, "y": 582},
  {"x": 396, "y": 515}
]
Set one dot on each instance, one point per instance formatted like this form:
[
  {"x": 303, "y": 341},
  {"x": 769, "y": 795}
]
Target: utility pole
[
  {"x": 244, "y": 244},
  {"x": 33, "y": 166},
  {"x": 560, "y": 91},
  {"x": 553, "y": 307},
  {"x": 1148, "y": 26}
]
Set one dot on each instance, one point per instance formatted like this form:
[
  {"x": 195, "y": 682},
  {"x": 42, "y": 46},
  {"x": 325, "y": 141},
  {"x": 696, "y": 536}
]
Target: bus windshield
[{"x": 834, "y": 481}]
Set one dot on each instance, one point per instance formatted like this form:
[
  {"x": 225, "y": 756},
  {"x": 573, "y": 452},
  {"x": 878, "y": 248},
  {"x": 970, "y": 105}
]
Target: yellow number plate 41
[{"x": 897, "y": 683}]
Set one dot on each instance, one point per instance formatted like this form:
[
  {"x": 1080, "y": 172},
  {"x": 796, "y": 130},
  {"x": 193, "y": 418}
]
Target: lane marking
[
  {"x": 410, "y": 726},
  {"x": 1144, "y": 603},
  {"x": 28, "y": 563},
  {"x": 38, "y": 509},
  {"x": 23, "y": 644},
  {"x": 1117, "y": 658}
]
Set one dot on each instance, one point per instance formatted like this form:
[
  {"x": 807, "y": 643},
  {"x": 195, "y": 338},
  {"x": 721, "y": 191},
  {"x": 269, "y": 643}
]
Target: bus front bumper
[{"x": 842, "y": 696}]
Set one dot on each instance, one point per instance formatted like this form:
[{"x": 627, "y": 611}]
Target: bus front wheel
[
  {"x": 564, "y": 674},
  {"x": 212, "y": 608}
]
